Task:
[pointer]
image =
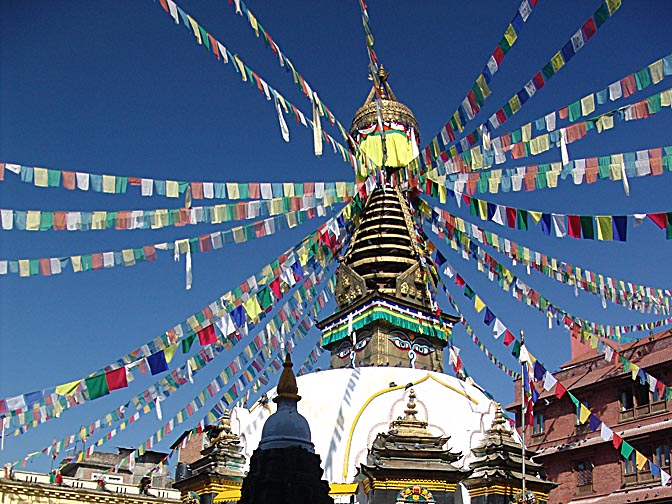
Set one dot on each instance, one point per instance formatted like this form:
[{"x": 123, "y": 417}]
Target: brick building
[
  {"x": 587, "y": 468},
  {"x": 101, "y": 463}
]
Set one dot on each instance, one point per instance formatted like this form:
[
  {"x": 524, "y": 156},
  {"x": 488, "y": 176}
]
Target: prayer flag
[
  {"x": 97, "y": 386},
  {"x": 116, "y": 379}
]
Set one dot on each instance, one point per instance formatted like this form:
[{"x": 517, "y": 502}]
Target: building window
[
  {"x": 661, "y": 455},
  {"x": 630, "y": 464},
  {"x": 636, "y": 400},
  {"x": 538, "y": 427},
  {"x": 658, "y": 453},
  {"x": 584, "y": 473}
]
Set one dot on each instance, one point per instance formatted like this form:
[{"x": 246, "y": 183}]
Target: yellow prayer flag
[
  {"x": 456, "y": 118},
  {"x": 476, "y": 158},
  {"x": 341, "y": 189},
  {"x": 443, "y": 192},
  {"x": 514, "y": 102},
  {"x": 483, "y": 209},
  {"x": 172, "y": 189},
  {"x": 656, "y": 71},
  {"x": 109, "y": 182},
  {"x": 552, "y": 179},
  {"x": 527, "y": 132},
  {"x": 557, "y": 61},
  {"x": 33, "y": 220},
  {"x": 253, "y": 22},
  {"x": 252, "y": 308},
  {"x": 67, "y": 388},
  {"x": 127, "y": 255},
  {"x": 238, "y": 234},
  {"x": 77, "y": 263},
  {"x": 98, "y": 219},
  {"x": 536, "y": 216},
  {"x": 605, "y": 122},
  {"x": 593, "y": 341},
  {"x": 605, "y": 230},
  {"x": 666, "y": 98},
  {"x": 584, "y": 414},
  {"x": 634, "y": 369},
  {"x": 170, "y": 352},
  {"x": 510, "y": 35},
  {"x": 241, "y": 67},
  {"x": 613, "y": 6},
  {"x": 40, "y": 177},
  {"x": 493, "y": 184},
  {"x": 288, "y": 189},
  {"x": 478, "y": 304},
  {"x": 588, "y": 104},
  {"x": 232, "y": 190},
  {"x": 194, "y": 28},
  {"x": 483, "y": 86},
  {"x": 640, "y": 460}
]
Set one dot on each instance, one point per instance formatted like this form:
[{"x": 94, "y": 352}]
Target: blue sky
[{"x": 118, "y": 88}]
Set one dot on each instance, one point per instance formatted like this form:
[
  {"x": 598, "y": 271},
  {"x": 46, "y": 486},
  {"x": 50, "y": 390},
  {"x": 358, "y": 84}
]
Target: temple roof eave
[{"x": 321, "y": 324}]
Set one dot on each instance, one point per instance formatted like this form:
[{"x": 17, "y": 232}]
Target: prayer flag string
[{"x": 632, "y": 296}]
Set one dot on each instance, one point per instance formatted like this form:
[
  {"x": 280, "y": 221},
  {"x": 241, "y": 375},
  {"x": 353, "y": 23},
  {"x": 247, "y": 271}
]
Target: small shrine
[
  {"x": 410, "y": 464},
  {"x": 497, "y": 471},
  {"x": 220, "y": 471}
]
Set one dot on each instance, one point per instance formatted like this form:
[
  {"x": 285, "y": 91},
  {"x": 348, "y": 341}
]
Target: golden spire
[
  {"x": 287, "y": 388},
  {"x": 410, "y": 407},
  {"x": 499, "y": 423}
]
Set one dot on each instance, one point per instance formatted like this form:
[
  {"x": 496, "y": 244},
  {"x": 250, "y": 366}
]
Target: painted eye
[
  {"x": 422, "y": 350},
  {"x": 361, "y": 344},
  {"x": 400, "y": 343},
  {"x": 344, "y": 350}
]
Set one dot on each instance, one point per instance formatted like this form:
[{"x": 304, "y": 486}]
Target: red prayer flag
[
  {"x": 659, "y": 218},
  {"x": 508, "y": 338},
  {"x": 616, "y": 441},
  {"x": 511, "y": 217},
  {"x": 538, "y": 80},
  {"x": 68, "y": 179},
  {"x": 207, "y": 336},
  {"x": 459, "y": 280},
  {"x": 45, "y": 267},
  {"x": 574, "y": 226},
  {"x": 164, "y": 4},
  {"x": 588, "y": 29},
  {"x": 116, "y": 379},
  {"x": 559, "y": 390},
  {"x": 498, "y": 55}
]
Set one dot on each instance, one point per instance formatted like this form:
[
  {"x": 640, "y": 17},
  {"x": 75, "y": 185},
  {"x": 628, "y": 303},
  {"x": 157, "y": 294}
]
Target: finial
[
  {"x": 499, "y": 423},
  {"x": 410, "y": 406},
  {"x": 287, "y": 388}
]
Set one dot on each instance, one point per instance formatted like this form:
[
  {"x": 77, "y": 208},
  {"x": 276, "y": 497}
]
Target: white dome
[
  {"x": 347, "y": 408},
  {"x": 286, "y": 427}
]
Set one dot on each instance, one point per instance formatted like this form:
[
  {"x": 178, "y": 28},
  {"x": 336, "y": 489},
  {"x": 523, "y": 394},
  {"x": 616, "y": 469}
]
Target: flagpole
[{"x": 522, "y": 412}]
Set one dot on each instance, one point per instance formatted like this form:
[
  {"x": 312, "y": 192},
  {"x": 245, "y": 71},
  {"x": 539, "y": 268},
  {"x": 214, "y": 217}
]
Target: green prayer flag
[
  {"x": 504, "y": 44},
  {"x": 187, "y": 342},
  {"x": 643, "y": 78},
  {"x": 264, "y": 298},
  {"x": 46, "y": 220},
  {"x": 521, "y": 219},
  {"x": 669, "y": 226},
  {"x": 626, "y": 449},
  {"x": 574, "y": 110},
  {"x": 34, "y": 267},
  {"x": 601, "y": 15},
  {"x": 574, "y": 399},
  {"x": 548, "y": 70},
  {"x": 469, "y": 292},
  {"x": 587, "y": 227},
  {"x": 96, "y": 386},
  {"x": 53, "y": 178},
  {"x": 515, "y": 351}
]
